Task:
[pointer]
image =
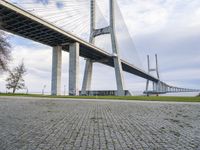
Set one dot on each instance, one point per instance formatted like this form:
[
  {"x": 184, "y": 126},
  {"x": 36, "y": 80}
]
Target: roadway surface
[{"x": 39, "y": 124}]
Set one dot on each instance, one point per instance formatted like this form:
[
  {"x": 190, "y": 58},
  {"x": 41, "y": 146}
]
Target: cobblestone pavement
[{"x": 40, "y": 124}]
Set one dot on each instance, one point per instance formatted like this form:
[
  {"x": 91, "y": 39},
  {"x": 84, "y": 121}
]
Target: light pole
[
  {"x": 26, "y": 90},
  {"x": 64, "y": 89},
  {"x": 43, "y": 89}
]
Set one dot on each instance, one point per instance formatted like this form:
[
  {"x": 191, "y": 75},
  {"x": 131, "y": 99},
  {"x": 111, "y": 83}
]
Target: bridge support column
[
  {"x": 116, "y": 58},
  {"x": 74, "y": 69},
  {"x": 154, "y": 86},
  {"x": 158, "y": 87},
  {"x": 163, "y": 88},
  {"x": 87, "y": 77},
  {"x": 56, "y": 71},
  {"x": 119, "y": 77}
]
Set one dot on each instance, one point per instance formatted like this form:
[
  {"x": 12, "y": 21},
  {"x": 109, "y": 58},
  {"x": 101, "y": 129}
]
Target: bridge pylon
[
  {"x": 157, "y": 86},
  {"x": 86, "y": 86}
]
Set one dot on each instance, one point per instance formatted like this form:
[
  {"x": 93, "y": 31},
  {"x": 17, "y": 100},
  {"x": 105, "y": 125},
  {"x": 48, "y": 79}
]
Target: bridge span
[{"x": 20, "y": 22}]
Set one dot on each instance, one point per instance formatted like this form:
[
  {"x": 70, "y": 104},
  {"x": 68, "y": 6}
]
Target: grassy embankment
[{"x": 142, "y": 98}]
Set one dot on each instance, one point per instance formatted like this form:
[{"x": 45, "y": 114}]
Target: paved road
[{"x": 39, "y": 124}]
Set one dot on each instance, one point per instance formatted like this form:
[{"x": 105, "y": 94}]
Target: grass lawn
[{"x": 143, "y": 98}]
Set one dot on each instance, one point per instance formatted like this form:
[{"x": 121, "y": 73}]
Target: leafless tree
[
  {"x": 5, "y": 52},
  {"x": 15, "y": 79}
]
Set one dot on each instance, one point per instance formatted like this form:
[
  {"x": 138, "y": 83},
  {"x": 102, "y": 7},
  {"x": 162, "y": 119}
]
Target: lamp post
[
  {"x": 26, "y": 90},
  {"x": 64, "y": 89},
  {"x": 43, "y": 89}
]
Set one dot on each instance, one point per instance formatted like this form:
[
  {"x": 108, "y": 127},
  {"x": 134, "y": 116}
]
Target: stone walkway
[{"x": 39, "y": 124}]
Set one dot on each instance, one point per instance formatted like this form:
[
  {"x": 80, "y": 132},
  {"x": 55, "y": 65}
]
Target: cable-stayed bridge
[{"x": 27, "y": 23}]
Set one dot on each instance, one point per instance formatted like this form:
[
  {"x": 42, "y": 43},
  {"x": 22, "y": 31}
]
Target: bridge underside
[{"x": 22, "y": 23}]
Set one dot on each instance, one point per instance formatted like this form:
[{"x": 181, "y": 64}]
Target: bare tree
[
  {"x": 5, "y": 52},
  {"x": 15, "y": 79}
]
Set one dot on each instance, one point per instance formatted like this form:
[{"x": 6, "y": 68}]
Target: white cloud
[
  {"x": 182, "y": 74},
  {"x": 149, "y": 16}
]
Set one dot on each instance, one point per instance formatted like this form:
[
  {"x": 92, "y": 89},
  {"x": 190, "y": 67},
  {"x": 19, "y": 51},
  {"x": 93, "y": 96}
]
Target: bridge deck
[{"x": 22, "y": 23}]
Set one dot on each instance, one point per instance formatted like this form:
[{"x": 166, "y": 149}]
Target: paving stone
[{"x": 41, "y": 124}]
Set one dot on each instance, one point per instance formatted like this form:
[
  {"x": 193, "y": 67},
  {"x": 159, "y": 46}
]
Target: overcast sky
[{"x": 170, "y": 28}]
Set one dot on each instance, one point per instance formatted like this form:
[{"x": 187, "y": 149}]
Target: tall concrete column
[
  {"x": 117, "y": 61},
  {"x": 74, "y": 69},
  {"x": 154, "y": 86},
  {"x": 119, "y": 76},
  {"x": 159, "y": 87},
  {"x": 163, "y": 87},
  {"x": 87, "y": 79},
  {"x": 147, "y": 83},
  {"x": 56, "y": 70}
]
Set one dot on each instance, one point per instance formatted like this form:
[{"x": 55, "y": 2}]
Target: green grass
[{"x": 142, "y": 98}]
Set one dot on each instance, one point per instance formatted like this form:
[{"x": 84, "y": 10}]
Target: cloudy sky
[{"x": 170, "y": 28}]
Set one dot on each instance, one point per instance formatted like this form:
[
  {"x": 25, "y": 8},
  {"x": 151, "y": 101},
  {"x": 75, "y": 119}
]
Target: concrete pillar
[
  {"x": 161, "y": 87},
  {"x": 154, "y": 86},
  {"x": 56, "y": 70},
  {"x": 119, "y": 77},
  {"x": 158, "y": 87},
  {"x": 116, "y": 58},
  {"x": 87, "y": 77},
  {"x": 89, "y": 64},
  {"x": 164, "y": 86},
  {"x": 74, "y": 69},
  {"x": 147, "y": 85}
]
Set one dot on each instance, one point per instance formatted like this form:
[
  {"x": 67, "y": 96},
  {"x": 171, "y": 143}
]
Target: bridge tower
[
  {"x": 86, "y": 86},
  {"x": 156, "y": 86}
]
